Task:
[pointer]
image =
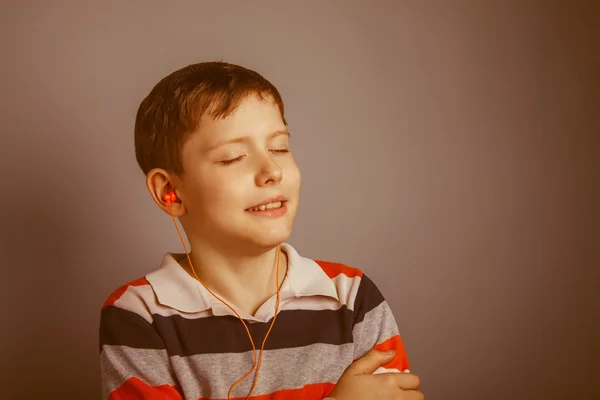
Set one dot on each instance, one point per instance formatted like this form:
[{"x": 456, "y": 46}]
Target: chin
[
  {"x": 264, "y": 234},
  {"x": 271, "y": 240},
  {"x": 267, "y": 239}
]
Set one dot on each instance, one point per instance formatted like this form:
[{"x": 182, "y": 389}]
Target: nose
[{"x": 269, "y": 172}]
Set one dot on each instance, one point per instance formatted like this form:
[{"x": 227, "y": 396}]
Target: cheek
[
  {"x": 212, "y": 191},
  {"x": 229, "y": 191},
  {"x": 292, "y": 176}
]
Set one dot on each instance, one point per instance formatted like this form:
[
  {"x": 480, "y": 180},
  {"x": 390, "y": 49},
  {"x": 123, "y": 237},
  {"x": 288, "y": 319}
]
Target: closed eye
[
  {"x": 233, "y": 160},
  {"x": 281, "y": 151}
]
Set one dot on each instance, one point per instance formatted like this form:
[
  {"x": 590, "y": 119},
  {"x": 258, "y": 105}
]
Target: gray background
[{"x": 449, "y": 149}]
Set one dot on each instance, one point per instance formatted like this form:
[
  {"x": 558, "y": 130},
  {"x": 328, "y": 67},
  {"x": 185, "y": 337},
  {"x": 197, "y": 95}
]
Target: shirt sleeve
[
  {"x": 374, "y": 327},
  {"x": 134, "y": 363}
]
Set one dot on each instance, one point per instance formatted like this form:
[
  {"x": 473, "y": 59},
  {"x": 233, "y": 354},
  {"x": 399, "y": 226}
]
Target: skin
[
  {"x": 359, "y": 383},
  {"x": 232, "y": 164}
]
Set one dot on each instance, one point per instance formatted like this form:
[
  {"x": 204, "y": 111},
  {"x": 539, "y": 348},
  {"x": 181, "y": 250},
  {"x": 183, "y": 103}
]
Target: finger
[
  {"x": 416, "y": 395},
  {"x": 408, "y": 381},
  {"x": 404, "y": 381},
  {"x": 371, "y": 361}
]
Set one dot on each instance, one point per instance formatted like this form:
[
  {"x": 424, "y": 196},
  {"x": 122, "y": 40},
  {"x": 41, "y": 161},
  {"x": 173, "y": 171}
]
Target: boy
[{"x": 212, "y": 140}]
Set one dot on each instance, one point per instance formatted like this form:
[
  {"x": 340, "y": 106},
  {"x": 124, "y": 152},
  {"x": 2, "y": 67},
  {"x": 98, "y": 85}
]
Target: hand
[{"x": 359, "y": 383}]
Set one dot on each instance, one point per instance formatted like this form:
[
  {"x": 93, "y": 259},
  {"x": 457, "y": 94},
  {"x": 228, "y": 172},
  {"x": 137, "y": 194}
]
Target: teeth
[
  {"x": 269, "y": 206},
  {"x": 277, "y": 204}
]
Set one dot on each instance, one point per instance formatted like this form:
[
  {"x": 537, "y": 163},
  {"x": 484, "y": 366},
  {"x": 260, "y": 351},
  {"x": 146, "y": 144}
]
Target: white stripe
[
  {"x": 135, "y": 299},
  {"x": 142, "y": 300},
  {"x": 312, "y": 303},
  {"x": 382, "y": 370},
  {"x": 347, "y": 289}
]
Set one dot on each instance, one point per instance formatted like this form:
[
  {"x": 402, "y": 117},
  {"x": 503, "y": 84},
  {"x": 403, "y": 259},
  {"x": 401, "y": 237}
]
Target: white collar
[{"x": 175, "y": 288}]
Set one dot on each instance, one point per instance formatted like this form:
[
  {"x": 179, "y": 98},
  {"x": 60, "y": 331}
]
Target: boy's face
[{"x": 233, "y": 165}]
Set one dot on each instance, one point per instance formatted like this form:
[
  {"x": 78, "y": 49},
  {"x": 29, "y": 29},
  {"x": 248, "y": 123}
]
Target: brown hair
[{"x": 173, "y": 108}]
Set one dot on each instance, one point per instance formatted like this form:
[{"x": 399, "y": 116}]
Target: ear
[{"x": 159, "y": 183}]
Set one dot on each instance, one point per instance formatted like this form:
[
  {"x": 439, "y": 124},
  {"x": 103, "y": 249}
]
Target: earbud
[{"x": 170, "y": 197}]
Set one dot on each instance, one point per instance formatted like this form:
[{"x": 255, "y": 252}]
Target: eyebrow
[{"x": 244, "y": 139}]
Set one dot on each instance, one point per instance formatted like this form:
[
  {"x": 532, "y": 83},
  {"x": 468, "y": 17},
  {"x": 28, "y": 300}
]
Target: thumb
[{"x": 370, "y": 362}]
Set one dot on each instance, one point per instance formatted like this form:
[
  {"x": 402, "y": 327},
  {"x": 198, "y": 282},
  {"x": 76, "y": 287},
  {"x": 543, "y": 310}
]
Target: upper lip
[{"x": 270, "y": 200}]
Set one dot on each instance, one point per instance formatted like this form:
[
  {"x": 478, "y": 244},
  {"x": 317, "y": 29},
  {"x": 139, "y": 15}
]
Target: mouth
[{"x": 273, "y": 203}]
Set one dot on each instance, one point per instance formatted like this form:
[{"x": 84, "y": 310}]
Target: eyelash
[
  {"x": 234, "y": 160},
  {"x": 227, "y": 162}
]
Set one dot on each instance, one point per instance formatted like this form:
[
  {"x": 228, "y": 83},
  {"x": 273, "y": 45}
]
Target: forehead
[{"x": 253, "y": 116}]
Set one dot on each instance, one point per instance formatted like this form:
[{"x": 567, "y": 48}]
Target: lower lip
[{"x": 272, "y": 213}]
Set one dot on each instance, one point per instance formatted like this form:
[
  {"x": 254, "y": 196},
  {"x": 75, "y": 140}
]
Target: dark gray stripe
[
  {"x": 224, "y": 334},
  {"x": 123, "y": 327},
  {"x": 368, "y": 297}
]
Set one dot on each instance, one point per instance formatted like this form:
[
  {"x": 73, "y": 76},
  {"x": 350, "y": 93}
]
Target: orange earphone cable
[
  {"x": 270, "y": 327},
  {"x": 254, "y": 364}
]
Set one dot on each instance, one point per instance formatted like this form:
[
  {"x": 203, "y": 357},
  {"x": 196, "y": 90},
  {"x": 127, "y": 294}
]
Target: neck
[{"x": 245, "y": 281}]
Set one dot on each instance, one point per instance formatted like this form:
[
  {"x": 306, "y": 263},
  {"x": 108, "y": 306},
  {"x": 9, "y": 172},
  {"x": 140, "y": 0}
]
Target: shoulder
[
  {"x": 141, "y": 296},
  {"x": 343, "y": 273},
  {"x": 356, "y": 289},
  {"x": 132, "y": 297},
  {"x": 120, "y": 291},
  {"x": 127, "y": 320}
]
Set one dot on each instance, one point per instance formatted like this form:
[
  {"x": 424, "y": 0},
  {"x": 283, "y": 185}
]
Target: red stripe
[
  {"x": 334, "y": 269},
  {"x": 395, "y": 343},
  {"x": 135, "y": 389},
  {"x": 312, "y": 391},
  {"x": 116, "y": 295}
]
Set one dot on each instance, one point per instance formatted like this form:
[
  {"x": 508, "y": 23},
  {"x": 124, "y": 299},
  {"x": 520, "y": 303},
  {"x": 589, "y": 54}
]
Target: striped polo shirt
[{"x": 164, "y": 336}]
